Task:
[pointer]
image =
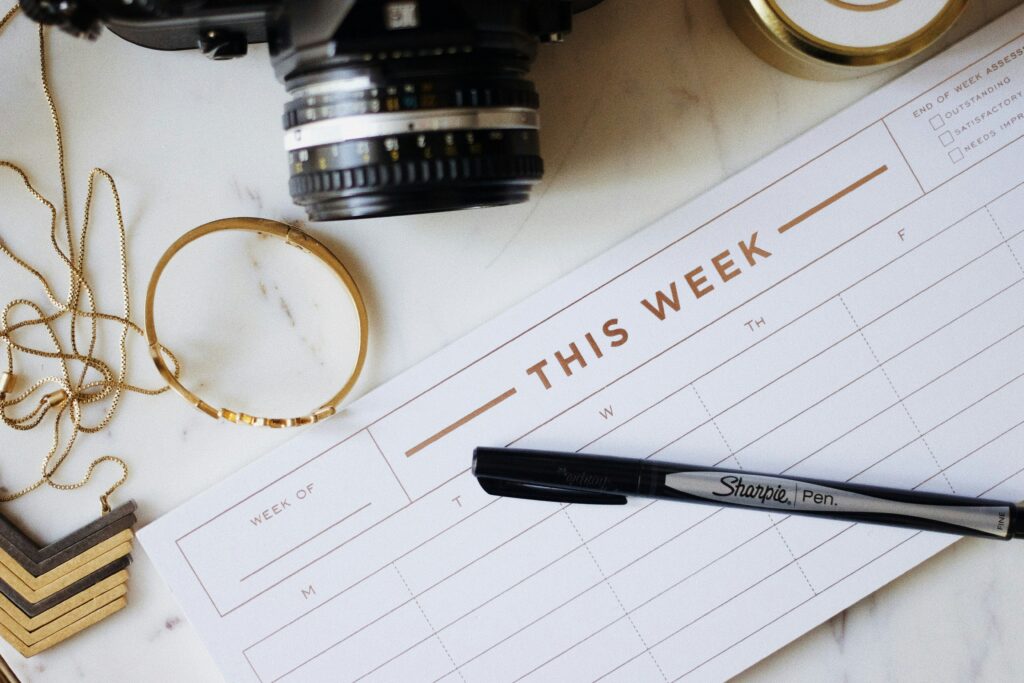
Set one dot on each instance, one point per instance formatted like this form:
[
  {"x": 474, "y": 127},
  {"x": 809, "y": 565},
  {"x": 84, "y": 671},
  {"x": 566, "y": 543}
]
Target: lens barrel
[{"x": 436, "y": 133}]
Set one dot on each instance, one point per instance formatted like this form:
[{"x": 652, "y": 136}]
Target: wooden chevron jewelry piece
[{"x": 49, "y": 593}]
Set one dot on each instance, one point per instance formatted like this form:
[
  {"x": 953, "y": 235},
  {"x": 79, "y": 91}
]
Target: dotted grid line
[
  {"x": 896, "y": 393},
  {"x": 643, "y": 641},
  {"x": 430, "y": 625},
  {"x": 771, "y": 516},
  {"x": 1003, "y": 237}
]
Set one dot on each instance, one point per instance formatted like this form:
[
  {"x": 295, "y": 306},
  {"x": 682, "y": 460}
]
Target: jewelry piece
[
  {"x": 50, "y": 593},
  {"x": 296, "y": 238},
  {"x": 64, "y": 396}
]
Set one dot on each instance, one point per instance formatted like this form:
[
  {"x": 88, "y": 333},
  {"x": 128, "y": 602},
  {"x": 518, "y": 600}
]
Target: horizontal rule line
[
  {"x": 834, "y": 198},
  {"x": 314, "y": 536},
  {"x": 460, "y": 422}
]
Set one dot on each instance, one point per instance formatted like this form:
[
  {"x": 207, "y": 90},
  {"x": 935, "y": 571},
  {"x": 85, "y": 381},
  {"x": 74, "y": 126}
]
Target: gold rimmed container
[{"x": 837, "y": 39}]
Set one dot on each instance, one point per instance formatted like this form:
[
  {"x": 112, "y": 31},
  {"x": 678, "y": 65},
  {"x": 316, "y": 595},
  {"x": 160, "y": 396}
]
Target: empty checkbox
[
  {"x": 937, "y": 122},
  {"x": 956, "y": 155},
  {"x": 946, "y": 139}
]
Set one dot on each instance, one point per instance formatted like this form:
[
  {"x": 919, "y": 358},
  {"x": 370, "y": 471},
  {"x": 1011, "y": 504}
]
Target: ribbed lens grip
[{"x": 437, "y": 171}]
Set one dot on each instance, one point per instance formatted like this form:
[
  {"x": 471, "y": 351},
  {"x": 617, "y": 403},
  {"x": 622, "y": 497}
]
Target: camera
[{"x": 397, "y": 106}]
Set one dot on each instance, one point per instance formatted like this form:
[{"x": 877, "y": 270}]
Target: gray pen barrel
[{"x": 835, "y": 500}]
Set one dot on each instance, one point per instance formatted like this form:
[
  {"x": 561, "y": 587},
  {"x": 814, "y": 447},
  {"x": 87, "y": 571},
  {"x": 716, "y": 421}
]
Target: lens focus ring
[
  {"x": 312, "y": 104},
  {"x": 435, "y": 171},
  {"x": 367, "y": 143},
  {"x": 417, "y": 172}
]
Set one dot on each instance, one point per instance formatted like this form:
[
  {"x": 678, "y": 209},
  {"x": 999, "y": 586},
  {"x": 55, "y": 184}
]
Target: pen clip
[{"x": 514, "y": 489}]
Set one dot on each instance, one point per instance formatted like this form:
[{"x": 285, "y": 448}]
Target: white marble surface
[{"x": 645, "y": 106}]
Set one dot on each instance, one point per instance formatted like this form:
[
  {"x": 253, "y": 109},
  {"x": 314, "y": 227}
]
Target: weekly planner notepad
[{"x": 850, "y": 308}]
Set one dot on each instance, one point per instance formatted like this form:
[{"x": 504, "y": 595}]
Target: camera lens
[{"x": 391, "y": 139}]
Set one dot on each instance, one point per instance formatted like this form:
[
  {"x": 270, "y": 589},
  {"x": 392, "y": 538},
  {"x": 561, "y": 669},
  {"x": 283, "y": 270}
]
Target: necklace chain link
[{"x": 65, "y": 394}]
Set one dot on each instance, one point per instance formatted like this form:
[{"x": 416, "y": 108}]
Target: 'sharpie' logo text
[{"x": 735, "y": 487}]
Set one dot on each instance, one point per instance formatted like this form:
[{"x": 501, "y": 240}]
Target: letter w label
[
  {"x": 307, "y": 592},
  {"x": 606, "y": 412},
  {"x": 662, "y": 301}
]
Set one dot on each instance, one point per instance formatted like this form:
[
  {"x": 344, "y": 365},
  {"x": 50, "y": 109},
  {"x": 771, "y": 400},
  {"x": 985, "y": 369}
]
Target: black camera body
[{"x": 397, "y": 106}]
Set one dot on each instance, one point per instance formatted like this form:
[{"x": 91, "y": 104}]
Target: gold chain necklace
[{"x": 68, "y": 392}]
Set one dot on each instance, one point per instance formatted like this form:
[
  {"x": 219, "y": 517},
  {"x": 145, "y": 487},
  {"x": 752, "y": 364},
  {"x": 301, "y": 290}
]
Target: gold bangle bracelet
[{"x": 296, "y": 238}]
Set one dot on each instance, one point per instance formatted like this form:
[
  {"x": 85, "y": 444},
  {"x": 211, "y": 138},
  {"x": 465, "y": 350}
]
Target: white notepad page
[{"x": 850, "y": 308}]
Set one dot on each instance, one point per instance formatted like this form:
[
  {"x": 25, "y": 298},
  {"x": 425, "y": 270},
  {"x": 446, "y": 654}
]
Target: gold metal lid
[{"x": 835, "y": 39}]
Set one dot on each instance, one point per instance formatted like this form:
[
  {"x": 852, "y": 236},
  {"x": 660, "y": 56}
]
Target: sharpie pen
[{"x": 606, "y": 480}]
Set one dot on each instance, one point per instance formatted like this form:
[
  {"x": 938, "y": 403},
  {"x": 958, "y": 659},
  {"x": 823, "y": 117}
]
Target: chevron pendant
[{"x": 49, "y": 593}]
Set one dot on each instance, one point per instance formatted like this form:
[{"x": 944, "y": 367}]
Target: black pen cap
[{"x": 559, "y": 470}]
